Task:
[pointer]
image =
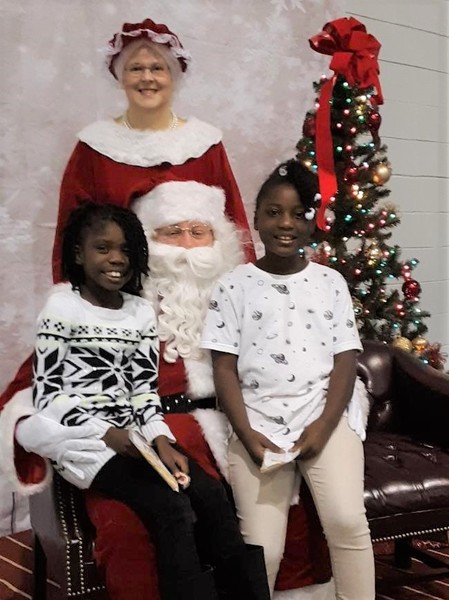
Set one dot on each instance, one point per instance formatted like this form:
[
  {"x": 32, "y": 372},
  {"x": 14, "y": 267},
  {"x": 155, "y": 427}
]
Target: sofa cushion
[{"x": 403, "y": 476}]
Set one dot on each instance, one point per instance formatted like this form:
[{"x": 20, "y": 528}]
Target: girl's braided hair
[{"x": 90, "y": 214}]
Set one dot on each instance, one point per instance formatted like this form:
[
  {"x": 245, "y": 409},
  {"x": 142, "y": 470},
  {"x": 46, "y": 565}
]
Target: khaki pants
[{"x": 335, "y": 479}]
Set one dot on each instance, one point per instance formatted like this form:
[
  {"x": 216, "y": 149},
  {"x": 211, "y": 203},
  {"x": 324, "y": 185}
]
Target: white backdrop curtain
[{"x": 251, "y": 76}]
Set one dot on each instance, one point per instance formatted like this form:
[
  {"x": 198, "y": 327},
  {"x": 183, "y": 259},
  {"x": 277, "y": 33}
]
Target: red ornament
[
  {"x": 434, "y": 356},
  {"x": 308, "y": 128},
  {"x": 411, "y": 288},
  {"x": 351, "y": 173},
  {"x": 374, "y": 121}
]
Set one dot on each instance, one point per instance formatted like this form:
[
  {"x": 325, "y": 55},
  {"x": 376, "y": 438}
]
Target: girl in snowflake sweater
[{"x": 96, "y": 360}]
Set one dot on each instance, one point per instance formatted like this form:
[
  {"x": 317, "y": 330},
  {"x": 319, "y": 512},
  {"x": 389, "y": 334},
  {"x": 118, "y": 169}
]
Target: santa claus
[{"x": 191, "y": 243}]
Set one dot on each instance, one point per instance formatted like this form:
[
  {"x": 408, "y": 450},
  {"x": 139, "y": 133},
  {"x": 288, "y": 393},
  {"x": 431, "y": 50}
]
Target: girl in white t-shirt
[{"x": 284, "y": 341}]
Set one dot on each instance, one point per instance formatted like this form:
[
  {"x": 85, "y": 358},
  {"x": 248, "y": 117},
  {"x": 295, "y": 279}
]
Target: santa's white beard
[{"x": 180, "y": 284}]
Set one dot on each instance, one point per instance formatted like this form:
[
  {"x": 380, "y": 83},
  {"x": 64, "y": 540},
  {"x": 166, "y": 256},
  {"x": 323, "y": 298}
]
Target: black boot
[
  {"x": 243, "y": 576},
  {"x": 201, "y": 587}
]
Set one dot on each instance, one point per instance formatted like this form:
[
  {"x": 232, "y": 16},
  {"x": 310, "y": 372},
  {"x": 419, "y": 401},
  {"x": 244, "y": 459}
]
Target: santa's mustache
[{"x": 204, "y": 262}]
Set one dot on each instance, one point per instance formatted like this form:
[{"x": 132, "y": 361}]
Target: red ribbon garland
[{"x": 354, "y": 56}]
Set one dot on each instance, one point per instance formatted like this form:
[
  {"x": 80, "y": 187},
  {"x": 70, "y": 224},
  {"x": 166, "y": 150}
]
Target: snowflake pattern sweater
[{"x": 106, "y": 358}]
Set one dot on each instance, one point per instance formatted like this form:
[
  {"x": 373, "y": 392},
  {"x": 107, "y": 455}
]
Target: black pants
[{"x": 173, "y": 517}]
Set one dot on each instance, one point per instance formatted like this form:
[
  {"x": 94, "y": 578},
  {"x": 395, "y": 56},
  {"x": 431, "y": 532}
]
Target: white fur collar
[{"x": 147, "y": 149}]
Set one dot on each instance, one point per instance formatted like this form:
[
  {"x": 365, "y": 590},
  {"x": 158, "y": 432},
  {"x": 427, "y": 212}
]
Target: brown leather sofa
[
  {"x": 406, "y": 453},
  {"x": 406, "y": 486}
]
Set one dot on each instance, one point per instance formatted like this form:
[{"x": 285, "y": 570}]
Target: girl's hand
[
  {"x": 256, "y": 444},
  {"x": 313, "y": 439},
  {"x": 172, "y": 459},
  {"x": 118, "y": 440}
]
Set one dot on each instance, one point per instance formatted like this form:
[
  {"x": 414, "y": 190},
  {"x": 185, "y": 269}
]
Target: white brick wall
[{"x": 414, "y": 74}]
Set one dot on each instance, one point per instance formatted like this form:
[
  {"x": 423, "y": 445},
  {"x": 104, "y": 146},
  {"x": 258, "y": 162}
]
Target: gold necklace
[{"x": 173, "y": 122}]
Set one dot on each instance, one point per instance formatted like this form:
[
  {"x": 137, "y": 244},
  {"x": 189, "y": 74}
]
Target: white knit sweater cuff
[{"x": 157, "y": 427}]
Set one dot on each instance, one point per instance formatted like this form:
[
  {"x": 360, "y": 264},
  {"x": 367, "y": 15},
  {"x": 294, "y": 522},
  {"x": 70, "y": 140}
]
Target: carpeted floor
[
  {"x": 16, "y": 569},
  {"x": 436, "y": 588},
  {"x": 16, "y": 566}
]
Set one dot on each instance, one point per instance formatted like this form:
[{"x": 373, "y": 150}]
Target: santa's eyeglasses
[{"x": 173, "y": 232}]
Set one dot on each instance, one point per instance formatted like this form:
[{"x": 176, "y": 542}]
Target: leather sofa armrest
[
  {"x": 421, "y": 400},
  {"x": 374, "y": 367},
  {"x": 58, "y": 514}
]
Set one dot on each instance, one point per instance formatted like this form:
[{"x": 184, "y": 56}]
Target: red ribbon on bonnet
[{"x": 354, "y": 56}]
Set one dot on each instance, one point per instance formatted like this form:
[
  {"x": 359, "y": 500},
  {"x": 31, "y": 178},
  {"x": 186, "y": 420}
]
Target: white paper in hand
[{"x": 274, "y": 460}]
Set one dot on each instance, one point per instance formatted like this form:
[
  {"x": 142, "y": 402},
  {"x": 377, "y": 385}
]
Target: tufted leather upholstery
[
  {"x": 407, "y": 445},
  {"x": 406, "y": 474}
]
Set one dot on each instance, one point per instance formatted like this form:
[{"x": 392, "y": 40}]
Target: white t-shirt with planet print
[{"x": 285, "y": 330}]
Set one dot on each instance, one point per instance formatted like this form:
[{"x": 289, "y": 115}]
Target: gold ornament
[
  {"x": 373, "y": 253},
  {"x": 419, "y": 344},
  {"x": 381, "y": 173},
  {"x": 357, "y": 307},
  {"x": 402, "y": 343}
]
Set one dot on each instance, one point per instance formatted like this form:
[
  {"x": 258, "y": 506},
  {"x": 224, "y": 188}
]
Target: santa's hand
[
  {"x": 43, "y": 434},
  {"x": 66, "y": 465}
]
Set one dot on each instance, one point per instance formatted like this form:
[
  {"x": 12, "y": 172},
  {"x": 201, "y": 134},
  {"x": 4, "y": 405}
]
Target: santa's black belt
[{"x": 181, "y": 403}]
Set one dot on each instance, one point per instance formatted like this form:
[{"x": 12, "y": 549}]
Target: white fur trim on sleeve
[
  {"x": 200, "y": 380},
  {"x": 216, "y": 430},
  {"x": 20, "y": 405},
  {"x": 358, "y": 409},
  {"x": 364, "y": 400}
]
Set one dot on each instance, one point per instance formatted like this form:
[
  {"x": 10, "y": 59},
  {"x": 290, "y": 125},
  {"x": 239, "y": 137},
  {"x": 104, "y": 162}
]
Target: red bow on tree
[{"x": 354, "y": 56}]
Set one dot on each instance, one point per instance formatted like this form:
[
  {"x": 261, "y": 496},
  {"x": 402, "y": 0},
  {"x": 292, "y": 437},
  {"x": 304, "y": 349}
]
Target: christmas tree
[{"x": 357, "y": 220}]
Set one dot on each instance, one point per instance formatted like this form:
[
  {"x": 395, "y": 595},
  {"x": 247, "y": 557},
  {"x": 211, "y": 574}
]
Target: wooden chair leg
[
  {"x": 40, "y": 571},
  {"x": 402, "y": 554}
]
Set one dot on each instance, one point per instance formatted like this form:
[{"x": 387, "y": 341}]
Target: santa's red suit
[{"x": 114, "y": 164}]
